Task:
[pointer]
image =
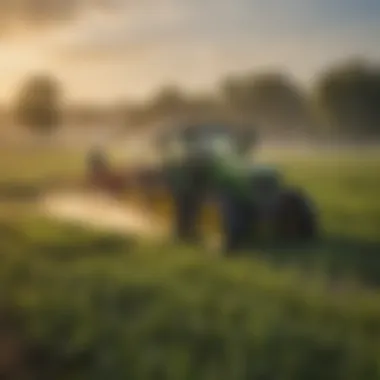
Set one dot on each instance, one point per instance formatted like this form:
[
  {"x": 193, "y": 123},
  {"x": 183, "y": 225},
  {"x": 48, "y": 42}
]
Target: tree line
[{"x": 343, "y": 102}]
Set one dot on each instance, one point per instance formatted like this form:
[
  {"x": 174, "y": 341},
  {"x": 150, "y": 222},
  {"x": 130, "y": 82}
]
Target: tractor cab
[
  {"x": 199, "y": 143},
  {"x": 191, "y": 140},
  {"x": 191, "y": 150}
]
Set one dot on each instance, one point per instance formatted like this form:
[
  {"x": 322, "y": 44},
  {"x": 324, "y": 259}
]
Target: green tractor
[{"x": 211, "y": 165}]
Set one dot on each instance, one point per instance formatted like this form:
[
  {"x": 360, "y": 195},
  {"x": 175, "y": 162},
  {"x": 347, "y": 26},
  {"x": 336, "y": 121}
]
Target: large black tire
[{"x": 295, "y": 217}]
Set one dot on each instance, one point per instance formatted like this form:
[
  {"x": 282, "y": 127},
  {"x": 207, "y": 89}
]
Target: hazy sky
[{"x": 113, "y": 48}]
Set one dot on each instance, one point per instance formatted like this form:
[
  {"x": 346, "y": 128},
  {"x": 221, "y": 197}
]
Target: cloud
[
  {"x": 222, "y": 24},
  {"x": 17, "y": 16},
  {"x": 131, "y": 46}
]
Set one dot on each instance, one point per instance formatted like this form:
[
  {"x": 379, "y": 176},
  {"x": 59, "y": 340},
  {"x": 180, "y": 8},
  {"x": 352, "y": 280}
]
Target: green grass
[
  {"x": 97, "y": 306},
  {"x": 87, "y": 305}
]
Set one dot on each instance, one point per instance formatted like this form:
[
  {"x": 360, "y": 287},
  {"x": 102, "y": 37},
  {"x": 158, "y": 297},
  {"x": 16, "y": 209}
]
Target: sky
[{"x": 105, "y": 50}]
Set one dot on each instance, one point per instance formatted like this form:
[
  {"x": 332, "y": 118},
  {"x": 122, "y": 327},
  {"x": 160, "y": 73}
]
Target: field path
[{"x": 102, "y": 212}]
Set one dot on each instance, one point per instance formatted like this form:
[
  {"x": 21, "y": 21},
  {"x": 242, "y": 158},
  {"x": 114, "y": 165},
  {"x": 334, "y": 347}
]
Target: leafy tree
[
  {"x": 273, "y": 100},
  {"x": 38, "y": 106},
  {"x": 170, "y": 101},
  {"x": 349, "y": 97}
]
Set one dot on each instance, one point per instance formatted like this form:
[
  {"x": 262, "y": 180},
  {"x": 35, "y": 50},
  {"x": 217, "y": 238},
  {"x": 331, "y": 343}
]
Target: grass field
[{"x": 84, "y": 305}]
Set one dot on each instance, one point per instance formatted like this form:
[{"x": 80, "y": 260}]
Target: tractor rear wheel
[{"x": 295, "y": 217}]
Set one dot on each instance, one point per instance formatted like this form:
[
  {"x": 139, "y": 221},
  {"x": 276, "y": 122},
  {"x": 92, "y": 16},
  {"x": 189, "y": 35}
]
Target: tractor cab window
[{"x": 200, "y": 142}]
